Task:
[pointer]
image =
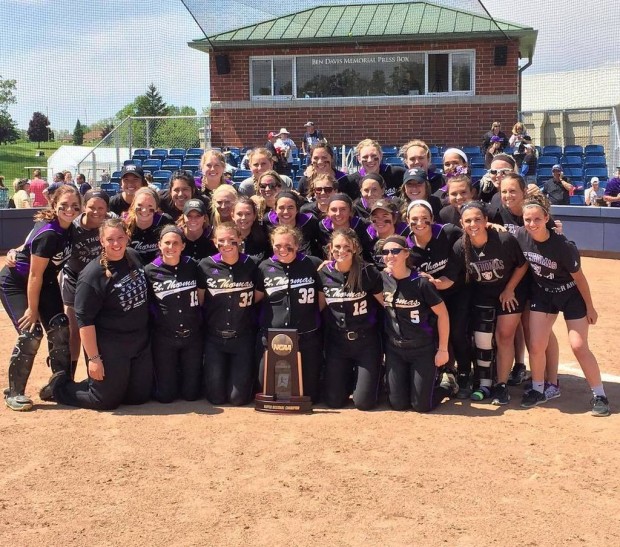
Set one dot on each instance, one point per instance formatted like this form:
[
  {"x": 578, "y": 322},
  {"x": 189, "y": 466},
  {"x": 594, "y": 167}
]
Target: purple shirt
[{"x": 613, "y": 189}]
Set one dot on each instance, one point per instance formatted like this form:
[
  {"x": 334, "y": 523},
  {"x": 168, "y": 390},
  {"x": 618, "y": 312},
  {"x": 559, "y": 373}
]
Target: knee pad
[
  {"x": 485, "y": 356},
  {"x": 28, "y": 342},
  {"x": 484, "y": 319}
]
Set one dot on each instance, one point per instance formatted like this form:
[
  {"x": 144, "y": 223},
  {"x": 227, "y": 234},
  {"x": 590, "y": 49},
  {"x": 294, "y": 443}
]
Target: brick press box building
[{"x": 390, "y": 71}]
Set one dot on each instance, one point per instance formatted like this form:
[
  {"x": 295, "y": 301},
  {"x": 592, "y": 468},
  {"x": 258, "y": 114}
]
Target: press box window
[{"x": 272, "y": 77}]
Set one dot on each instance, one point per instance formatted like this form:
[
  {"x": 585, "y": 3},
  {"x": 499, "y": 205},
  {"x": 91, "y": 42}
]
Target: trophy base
[{"x": 291, "y": 405}]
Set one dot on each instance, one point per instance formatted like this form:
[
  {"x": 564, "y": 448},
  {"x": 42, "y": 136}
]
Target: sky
[{"x": 87, "y": 59}]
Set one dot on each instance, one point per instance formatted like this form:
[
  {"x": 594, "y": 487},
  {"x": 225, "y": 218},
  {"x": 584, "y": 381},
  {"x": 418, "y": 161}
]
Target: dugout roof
[{"x": 367, "y": 23}]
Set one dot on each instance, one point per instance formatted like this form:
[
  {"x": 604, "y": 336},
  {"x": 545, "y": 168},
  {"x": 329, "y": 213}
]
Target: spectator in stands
[
  {"x": 557, "y": 188},
  {"x": 517, "y": 140},
  {"x": 37, "y": 185},
  {"x": 82, "y": 185},
  {"x": 260, "y": 160},
  {"x": 311, "y": 138},
  {"x": 105, "y": 176},
  {"x": 369, "y": 155},
  {"x": 529, "y": 165},
  {"x": 132, "y": 179},
  {"x": 494, "y": 148},
  {"x": 21, "y": 197},
  {"x": 284, "y": 147},
  {"x": 279, "y": 164},
  {"x": 416, "y": 153},
  {"x": 322, "y": 162},
  {"x": 594, "y": 194},
  {"x": 4, "y": 194},
  {"x": 612, "y": 191},
  {"x": 68, "y": 178},
  {"x": 494, "y": 132}
]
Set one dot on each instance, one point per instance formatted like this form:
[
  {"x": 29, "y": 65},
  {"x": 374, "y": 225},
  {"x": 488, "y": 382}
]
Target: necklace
[{"x": 481, "y": 253}]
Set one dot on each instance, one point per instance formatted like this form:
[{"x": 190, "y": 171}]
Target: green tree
[
  {"x": 8, "y": 130},
  {"x": 78, "y": 134},
  {"x": 152, "y": 104},
  {"x": 7, "y": 93},
  {"x": 38, "y": 128},
  {"x": 177, "y": 133}
]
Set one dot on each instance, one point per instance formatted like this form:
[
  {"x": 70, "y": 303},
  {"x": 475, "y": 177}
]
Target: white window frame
[
  {"x": 450, "y": 92},
  {"x": 273, "y": 97}
]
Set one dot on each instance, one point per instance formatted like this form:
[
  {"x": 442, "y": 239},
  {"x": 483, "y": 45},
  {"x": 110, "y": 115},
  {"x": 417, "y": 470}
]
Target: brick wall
[{"x": 462, "y": 121}]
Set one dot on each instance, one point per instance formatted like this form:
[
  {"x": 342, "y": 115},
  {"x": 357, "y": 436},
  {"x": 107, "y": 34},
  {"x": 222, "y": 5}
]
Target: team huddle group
[{"x": 395, "y": 278}]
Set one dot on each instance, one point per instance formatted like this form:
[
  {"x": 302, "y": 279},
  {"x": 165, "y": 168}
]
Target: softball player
[
  {"x": 289, "y": 285},
  {"x": 144, "y": 224},
  {"x": 417, "y": 329},
  {"x": 372, "y": 188},
  {"x": 197, "y": 230},
  {"x": 182, "y": 188},
  {"x": 353, "y": 355},
  {"x": 229, "y": 279},
  {"x": 176, "y": 324},
  {"x": 132, "y": 179},
  {"x": 112, "y": 312},
  {"x": 31, "y": 295},
  {"x": 560, "y": 286},
  {"x": 254, "y": 239}
]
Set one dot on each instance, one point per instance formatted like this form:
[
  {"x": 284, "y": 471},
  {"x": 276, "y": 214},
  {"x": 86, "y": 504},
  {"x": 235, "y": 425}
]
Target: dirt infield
[{"x": 194, "y": 474}]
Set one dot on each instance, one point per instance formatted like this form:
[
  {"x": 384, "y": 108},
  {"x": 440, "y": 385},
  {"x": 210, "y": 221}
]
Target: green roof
[{"x": 414, "y": 21}]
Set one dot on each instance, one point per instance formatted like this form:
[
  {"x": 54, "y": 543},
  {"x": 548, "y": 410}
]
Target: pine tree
[
  {"x": 154, "y": 105},
  {"x": 78, "y": 134}
]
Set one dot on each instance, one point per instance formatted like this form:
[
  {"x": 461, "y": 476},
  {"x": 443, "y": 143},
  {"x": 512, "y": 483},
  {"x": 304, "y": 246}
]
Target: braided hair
[
  {"x": 116, "y": 223},
  {"x": 467, "y": 246}
]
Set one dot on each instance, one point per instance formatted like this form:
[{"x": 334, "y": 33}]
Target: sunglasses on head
[
  {"x": 394, "y": 252},
  {"x": 500, "y": 171}
]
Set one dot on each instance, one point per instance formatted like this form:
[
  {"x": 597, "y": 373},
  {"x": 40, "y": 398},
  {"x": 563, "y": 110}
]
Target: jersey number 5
[
  {"x": 415, "y": 316},
  {"x": 306, "y": 296}
]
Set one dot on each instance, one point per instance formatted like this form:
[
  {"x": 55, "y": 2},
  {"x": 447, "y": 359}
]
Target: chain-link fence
[{"x": 150, "y": 133}]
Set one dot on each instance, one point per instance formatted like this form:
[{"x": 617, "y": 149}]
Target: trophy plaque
[{"x": 283, "y": 385}]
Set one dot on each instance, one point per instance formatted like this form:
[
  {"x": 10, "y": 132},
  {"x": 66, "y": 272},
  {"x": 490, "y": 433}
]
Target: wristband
[{"x": 95, "y": 358}]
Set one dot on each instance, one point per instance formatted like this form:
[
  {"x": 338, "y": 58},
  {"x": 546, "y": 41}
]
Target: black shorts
[
  {"x": 569, "y": 302},
  {"x": 67, "y": 289},
  {"x": 521, "y": 294}
]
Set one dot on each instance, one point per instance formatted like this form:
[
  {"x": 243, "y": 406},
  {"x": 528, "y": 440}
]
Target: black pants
[
  {"x": 459, "y": 311},
  {"x": 128, "y": 369},
  {"x": 177, "y": 366},
  {"x": 412, "y": 377},
  {"x": 352, "y": 366},
  {"x": 229, "y": 365},
  {"x": 15, "y": 300},
  {"x": 311, "y": 349}
]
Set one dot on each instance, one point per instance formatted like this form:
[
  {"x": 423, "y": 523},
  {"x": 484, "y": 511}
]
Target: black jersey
[
  {"x": 145, "y": 241},
  {"x": 229, "y": 294},
  {"x": 513, "y": 222},
  {"x": 312, "y": 208},
  {"x": 202, "y": 247},
  {"x": 118, "y": 205},
  {"x": 291, "y": 293},
  {"x": 174, "y": 302},
  {"x": 309, "y": 228},
  {"x": 450, "y": 215},
  {"x": 408, "y": 304},
  {"x": 358, "y": 226},
  {"x": 85, "y": 246},
  {"x": 47, "y": 239},
  {"x": 257, "y": 245},
  {"x": 552, "y": 261},
  {"x": 361, "y": 210},
  {"x": 437, "y": 258},
  {"x": 392, "y": 175},
  {"x": 491, "y": 265},
  {"x": 117, "y": 303},
  {"x": 350, "y": 310},
  {"x": 400, "y": 228}
]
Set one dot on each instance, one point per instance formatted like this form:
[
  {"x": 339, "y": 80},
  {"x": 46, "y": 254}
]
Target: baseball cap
[
  {"x": 271, "y": 135},
  {"x": 308, "y": 124},
  {"x": 495, "y": 138},
  {"x": 195, "y": 205},
  {"x": 556, "y": 167},
  {"x": 132, "y": 169},
  {"x": 416, "y": 174},
  {"x": 283, "y": 131},
  {"x": 593, "y": 180},
  {"x": 386, "y": 205}
]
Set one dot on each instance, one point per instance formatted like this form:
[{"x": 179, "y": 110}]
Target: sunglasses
[
  {"x": 271, "y": 186},
  {"x": 324, "y": 190},
  {"x": 500, "y": 171},
  {"x": 393, "y": 252}
]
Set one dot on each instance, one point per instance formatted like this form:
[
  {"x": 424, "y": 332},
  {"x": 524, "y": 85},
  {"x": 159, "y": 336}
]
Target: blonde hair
[
  {"x": 131, "y": 214},
  {"x": 282, "y": 229},
  {"x": 221, "y": 190},
  {"x": 203, "y": 162},
  {"x": 415, "y": 142},
  {"x": 269, "y": 173},
  {"x": 367, "y": 142}
]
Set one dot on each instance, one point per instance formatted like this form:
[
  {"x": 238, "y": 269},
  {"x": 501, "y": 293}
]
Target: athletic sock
[
  {"x": 539, "y": 386},
  {"x": 598, "y": 391}
]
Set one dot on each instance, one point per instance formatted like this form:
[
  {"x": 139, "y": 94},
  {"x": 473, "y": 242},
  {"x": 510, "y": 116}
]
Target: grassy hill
[{"x": 14, "y": 157}]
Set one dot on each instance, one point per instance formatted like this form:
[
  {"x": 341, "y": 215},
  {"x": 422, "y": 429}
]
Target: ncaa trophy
[{"x": 283, "y": 385}]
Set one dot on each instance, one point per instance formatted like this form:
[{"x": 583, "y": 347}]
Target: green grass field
[{"x": 14, "y": 157}]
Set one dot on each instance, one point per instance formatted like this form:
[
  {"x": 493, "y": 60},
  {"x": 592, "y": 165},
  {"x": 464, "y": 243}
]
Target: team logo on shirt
[
  {"x": 132, "y": 292},
  {"x": 433, "y": 267},
  {"x": 172, "y": 286},
  {"x": 487, "y": 270},
  {"x": 219, "y": 286}
]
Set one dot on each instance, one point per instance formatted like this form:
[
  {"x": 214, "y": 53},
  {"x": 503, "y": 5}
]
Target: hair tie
[{"x": 421, "y": 202}]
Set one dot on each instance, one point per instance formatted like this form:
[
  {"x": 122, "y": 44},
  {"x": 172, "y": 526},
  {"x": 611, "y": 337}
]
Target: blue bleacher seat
[
  {"x": 548, "y": 161},
  {"x": 476, "y": 161},
  {"x": 241, "y": 174},
  {"x": 600, "y": 172},
  {"x": 111, "y": 188},
  {"x": 161, "y": 177},
  {"x": 393, "y": 160},
  {"x": 471, "y": 150},
  {"x": 141, "y": 153},
  {"x": 160, "y": 153},
  {"x": 573, "y": 172},
  {"x": 133, "y": 161},
  {"x": 509, "y": 150},
  {"x": 571, "y": 161},
  {"x": 477, "y": 173},
  {"x": 176, "y": 152},
  {"x": 577, "y": 199},
  {"x": 573, "y": 150},
  {"x": 552, "y": 150},
  {"x": 389, "y": 151},
  {"x": 171, "y": 164},
  {"x": 434, "y": 150},
  {"x": 198, "y": 175},
  {"x": 594, "y": 150},
  {"x": 595, "y": 161},
  {"x": 151, "y": 164},
  {"x": 191, "y": 163},
  {"x": 195, "y": 151}
]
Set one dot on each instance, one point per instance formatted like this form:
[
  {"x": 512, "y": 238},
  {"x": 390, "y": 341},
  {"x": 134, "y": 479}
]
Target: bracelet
[{"x": 95, "y": 358}]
